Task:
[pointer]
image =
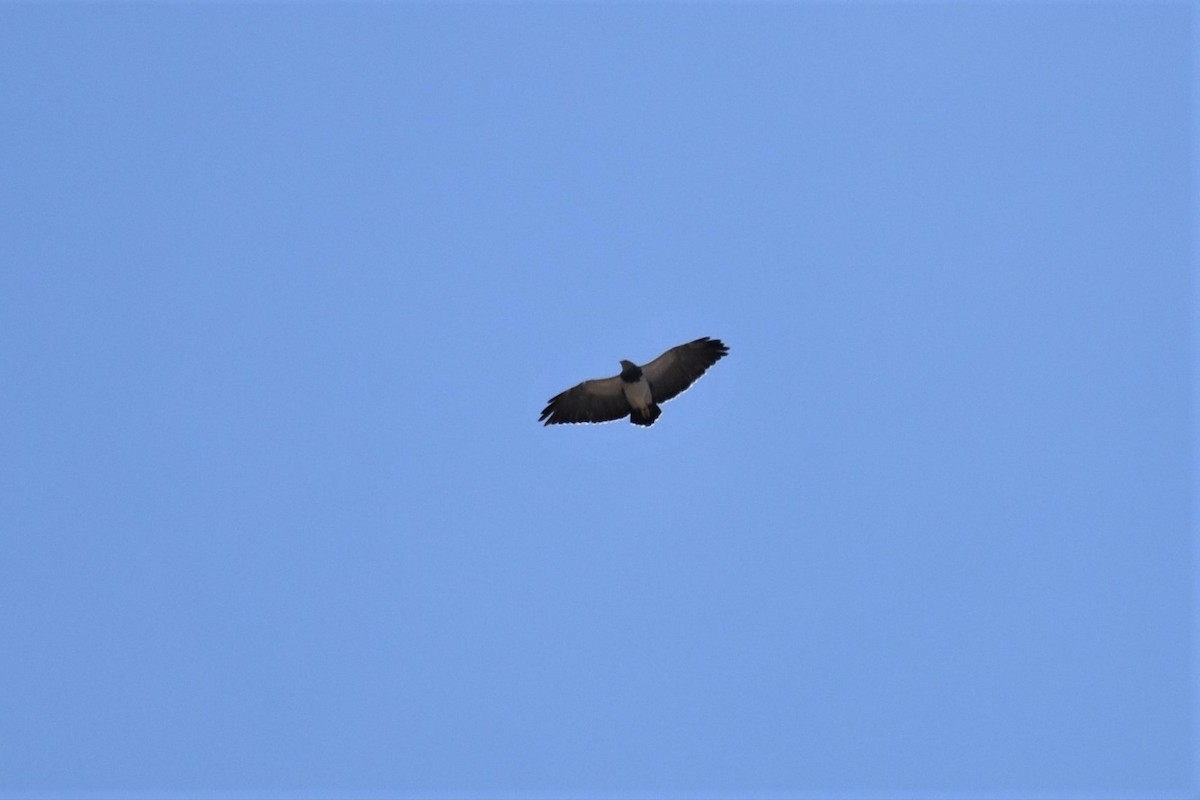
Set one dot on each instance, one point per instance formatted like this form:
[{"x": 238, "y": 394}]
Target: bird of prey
[{"x": 637, "y": 391}]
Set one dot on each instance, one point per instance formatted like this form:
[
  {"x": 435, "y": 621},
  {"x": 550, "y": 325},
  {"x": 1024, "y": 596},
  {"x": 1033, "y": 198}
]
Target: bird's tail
[{"x": 647, "y": 419}]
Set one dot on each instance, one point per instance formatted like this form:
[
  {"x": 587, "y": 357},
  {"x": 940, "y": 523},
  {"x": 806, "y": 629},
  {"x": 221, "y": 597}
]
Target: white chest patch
[{"x": 638, "y": 394}]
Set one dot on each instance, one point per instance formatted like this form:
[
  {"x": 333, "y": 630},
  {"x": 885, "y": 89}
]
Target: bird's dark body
[{"x": 637, "y": 391}]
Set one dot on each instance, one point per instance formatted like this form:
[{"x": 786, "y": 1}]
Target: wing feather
[
  {"x": 675, "y": 370},
  {"x": 599, "y": 400}
]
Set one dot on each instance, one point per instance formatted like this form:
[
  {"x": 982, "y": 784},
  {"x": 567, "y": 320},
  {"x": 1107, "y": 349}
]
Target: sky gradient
[{"x": 283, "y": 288}]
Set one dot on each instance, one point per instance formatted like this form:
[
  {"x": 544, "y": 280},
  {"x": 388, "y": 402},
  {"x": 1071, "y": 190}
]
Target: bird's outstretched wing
[
  {"x": 599, "y": 400},
  {"x": 678, "y": 368}
]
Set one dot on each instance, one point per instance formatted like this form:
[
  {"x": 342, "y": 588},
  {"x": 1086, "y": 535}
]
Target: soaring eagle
[{"x": 637, "y": 391}]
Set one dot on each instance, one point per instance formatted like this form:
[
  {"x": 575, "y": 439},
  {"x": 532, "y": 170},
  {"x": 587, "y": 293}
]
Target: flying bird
[{"x": 637, "y": 391}]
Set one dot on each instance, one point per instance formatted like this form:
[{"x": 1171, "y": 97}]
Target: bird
[{"x": 637, "y": 391}]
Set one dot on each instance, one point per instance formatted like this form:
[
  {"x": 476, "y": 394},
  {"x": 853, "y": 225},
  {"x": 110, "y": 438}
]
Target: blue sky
[{"x": 285, "y": 286}]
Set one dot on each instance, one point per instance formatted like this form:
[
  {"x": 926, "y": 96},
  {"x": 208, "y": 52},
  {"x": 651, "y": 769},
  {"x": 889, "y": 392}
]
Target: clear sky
[{"x": 283, "y": 288}]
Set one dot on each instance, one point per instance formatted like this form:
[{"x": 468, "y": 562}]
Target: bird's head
[
  {"x": 630, "y": 372},
  {"x": 627, "y": 365}
]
